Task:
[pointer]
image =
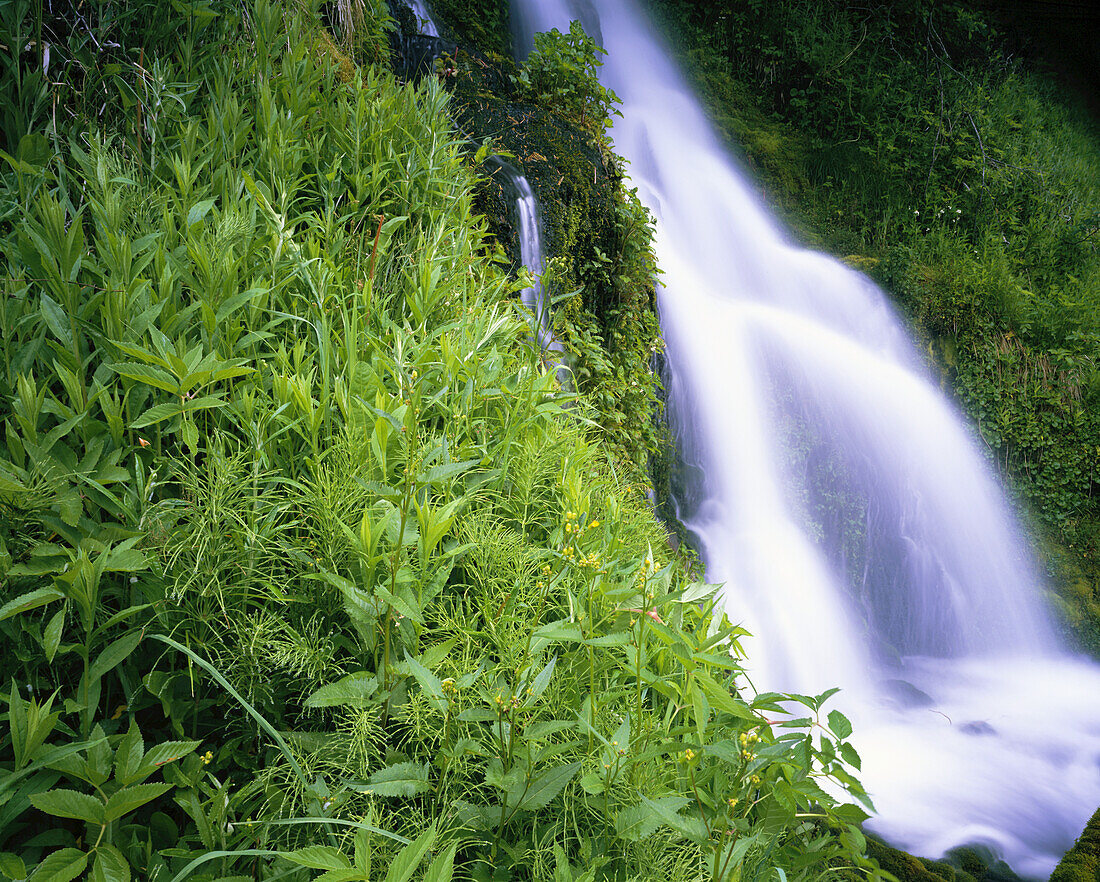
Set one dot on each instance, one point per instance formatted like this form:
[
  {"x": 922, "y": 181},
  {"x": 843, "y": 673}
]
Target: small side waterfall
[
  {"x": 528, "y": 225},
  {"x": 423, "y": 17},
  {"x": 529, "y": 229},
  {"x": 842, "y": 501}
]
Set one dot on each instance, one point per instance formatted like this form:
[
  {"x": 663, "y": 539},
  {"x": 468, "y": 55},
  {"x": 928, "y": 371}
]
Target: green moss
[
  {"x": 1082, "y": 862},
  {"x": 484, "y": 25}
]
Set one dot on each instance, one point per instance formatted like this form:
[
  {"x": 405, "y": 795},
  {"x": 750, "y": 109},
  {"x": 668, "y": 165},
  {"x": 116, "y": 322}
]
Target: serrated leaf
[
  {"x": 719, "y": 698},
  {"x": 156, "y": 414},
  {"x": 442, "y": 868},
  {"x": 851, "y": 756},
  {"x": 320, "y": 857},
  {"x": 198, "y": 211},
  {"x": 408, "y": 859},
  {"x": 51, "y": 634},
  {"x": 691, "y": 828},
  {"x": 542, "y": 680},
  {"x": 70, "y": 804},
  {"x": 110, "y": 865},
  {"x": 60, "y": 866},
  {"x": 636, "y": 823},
  {"x": 31, "y": 600},
  {"x": 839, "y": 723},
  {"x": 130, "y": 798},
  {"x": 400, "y": 779},
  {"x": 147, "y": 374},
  {"x": 430, "y": 684},
  {"x": 547, "y": 786},
  {"x": 354, "y": 690}
]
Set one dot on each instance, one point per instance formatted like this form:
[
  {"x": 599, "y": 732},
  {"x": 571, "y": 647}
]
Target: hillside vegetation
[{"x": 310, "y": 566}]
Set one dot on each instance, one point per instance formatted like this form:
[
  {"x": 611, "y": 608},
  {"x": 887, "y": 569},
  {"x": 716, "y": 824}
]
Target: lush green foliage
[
  {"x": 1082, "y": 862},
  {"x": 294, "y": 517},
  {"x": 905, "y": 137},
  {"x": 563, "y": 70}
]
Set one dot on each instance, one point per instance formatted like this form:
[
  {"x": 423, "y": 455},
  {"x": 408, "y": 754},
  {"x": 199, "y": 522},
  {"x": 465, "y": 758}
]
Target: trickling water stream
[
  {"x": 530, "y": 252},
  {"x": 974, "y": 725},
  {"x": 424, "y": 18},
  {"x": 528, "y": 225}
]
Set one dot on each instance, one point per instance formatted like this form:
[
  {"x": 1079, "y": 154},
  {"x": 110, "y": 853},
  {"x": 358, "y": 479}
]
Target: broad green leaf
[
  {"x": 198, "y": 211},
  {"x": 12, "y": 866},
  {"x": 128, "y": 754},
  {"x": 448, "y": 470},
  {"x": 430, "y": 684},
  {"x": 839, "y": 723},
  {"x": 319, "y": 857},
  {"x": 156, "y": 414},
  {"x": 408, "y": 859},
  {"x": 542, "y": 680},
  {"x": 161, "y": 754},
  {"x": 70, "y": 804},
  {"x": 133, "y": 797},
  {"x": 51, "y": 634},
  {"x": 719, "y": 698},
  {"x": 638, "y": 822},
  {"x": 31, "y": 600},
  {"x": 851, "y": 757},
  {"x": 401, "y": 779},
  {"x": 110, "y": 865},
  {"x": 354, "y": 690},
  {"x": 691, "y": 828},
  {"x": 60, "y": 866}
]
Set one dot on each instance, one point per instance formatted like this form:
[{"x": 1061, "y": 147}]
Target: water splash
[{"x": 842, "y": 501}]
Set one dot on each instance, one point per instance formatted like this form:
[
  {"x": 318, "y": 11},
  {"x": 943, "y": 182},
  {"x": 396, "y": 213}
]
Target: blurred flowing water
[{"x": 834, "y": 490}]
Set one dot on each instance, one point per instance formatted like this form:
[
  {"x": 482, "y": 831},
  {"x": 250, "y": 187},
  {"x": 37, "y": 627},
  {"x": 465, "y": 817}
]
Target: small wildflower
[{"x": 207, "y": 758}]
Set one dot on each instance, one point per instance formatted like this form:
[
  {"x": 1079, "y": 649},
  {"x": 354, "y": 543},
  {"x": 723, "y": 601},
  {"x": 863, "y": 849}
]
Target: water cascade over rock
[
  {"x": 842, "y": 501},
  {"x": 530, "y": 250}
]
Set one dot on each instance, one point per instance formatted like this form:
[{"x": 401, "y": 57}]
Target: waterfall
[
  {"x": 423, "y": 17},
  {"x": 843, "y": 503},
  {"x": 529, "y": 230}
]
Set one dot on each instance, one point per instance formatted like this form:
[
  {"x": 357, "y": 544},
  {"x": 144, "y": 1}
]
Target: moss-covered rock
[{"x": 1082, "y": 862}]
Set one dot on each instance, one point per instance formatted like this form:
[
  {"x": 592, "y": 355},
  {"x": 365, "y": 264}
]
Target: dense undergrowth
[
  {"x": 309, "y": 565},
  {"x": 909, "y": 139}
]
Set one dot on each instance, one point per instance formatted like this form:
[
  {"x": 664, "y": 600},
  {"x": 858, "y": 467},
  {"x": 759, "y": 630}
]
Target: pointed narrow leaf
[
  {"x": 408, "y": 859},
  {"x": 31, "y": 600},
  {"x": 442, "y": 868}
]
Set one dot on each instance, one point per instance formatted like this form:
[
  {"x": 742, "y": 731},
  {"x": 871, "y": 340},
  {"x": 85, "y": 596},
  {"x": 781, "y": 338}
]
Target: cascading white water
[
  {"x": 796, "y": 391},
  {"x": 423, "y": 17},
  {"x": 529, "y": 230}
]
